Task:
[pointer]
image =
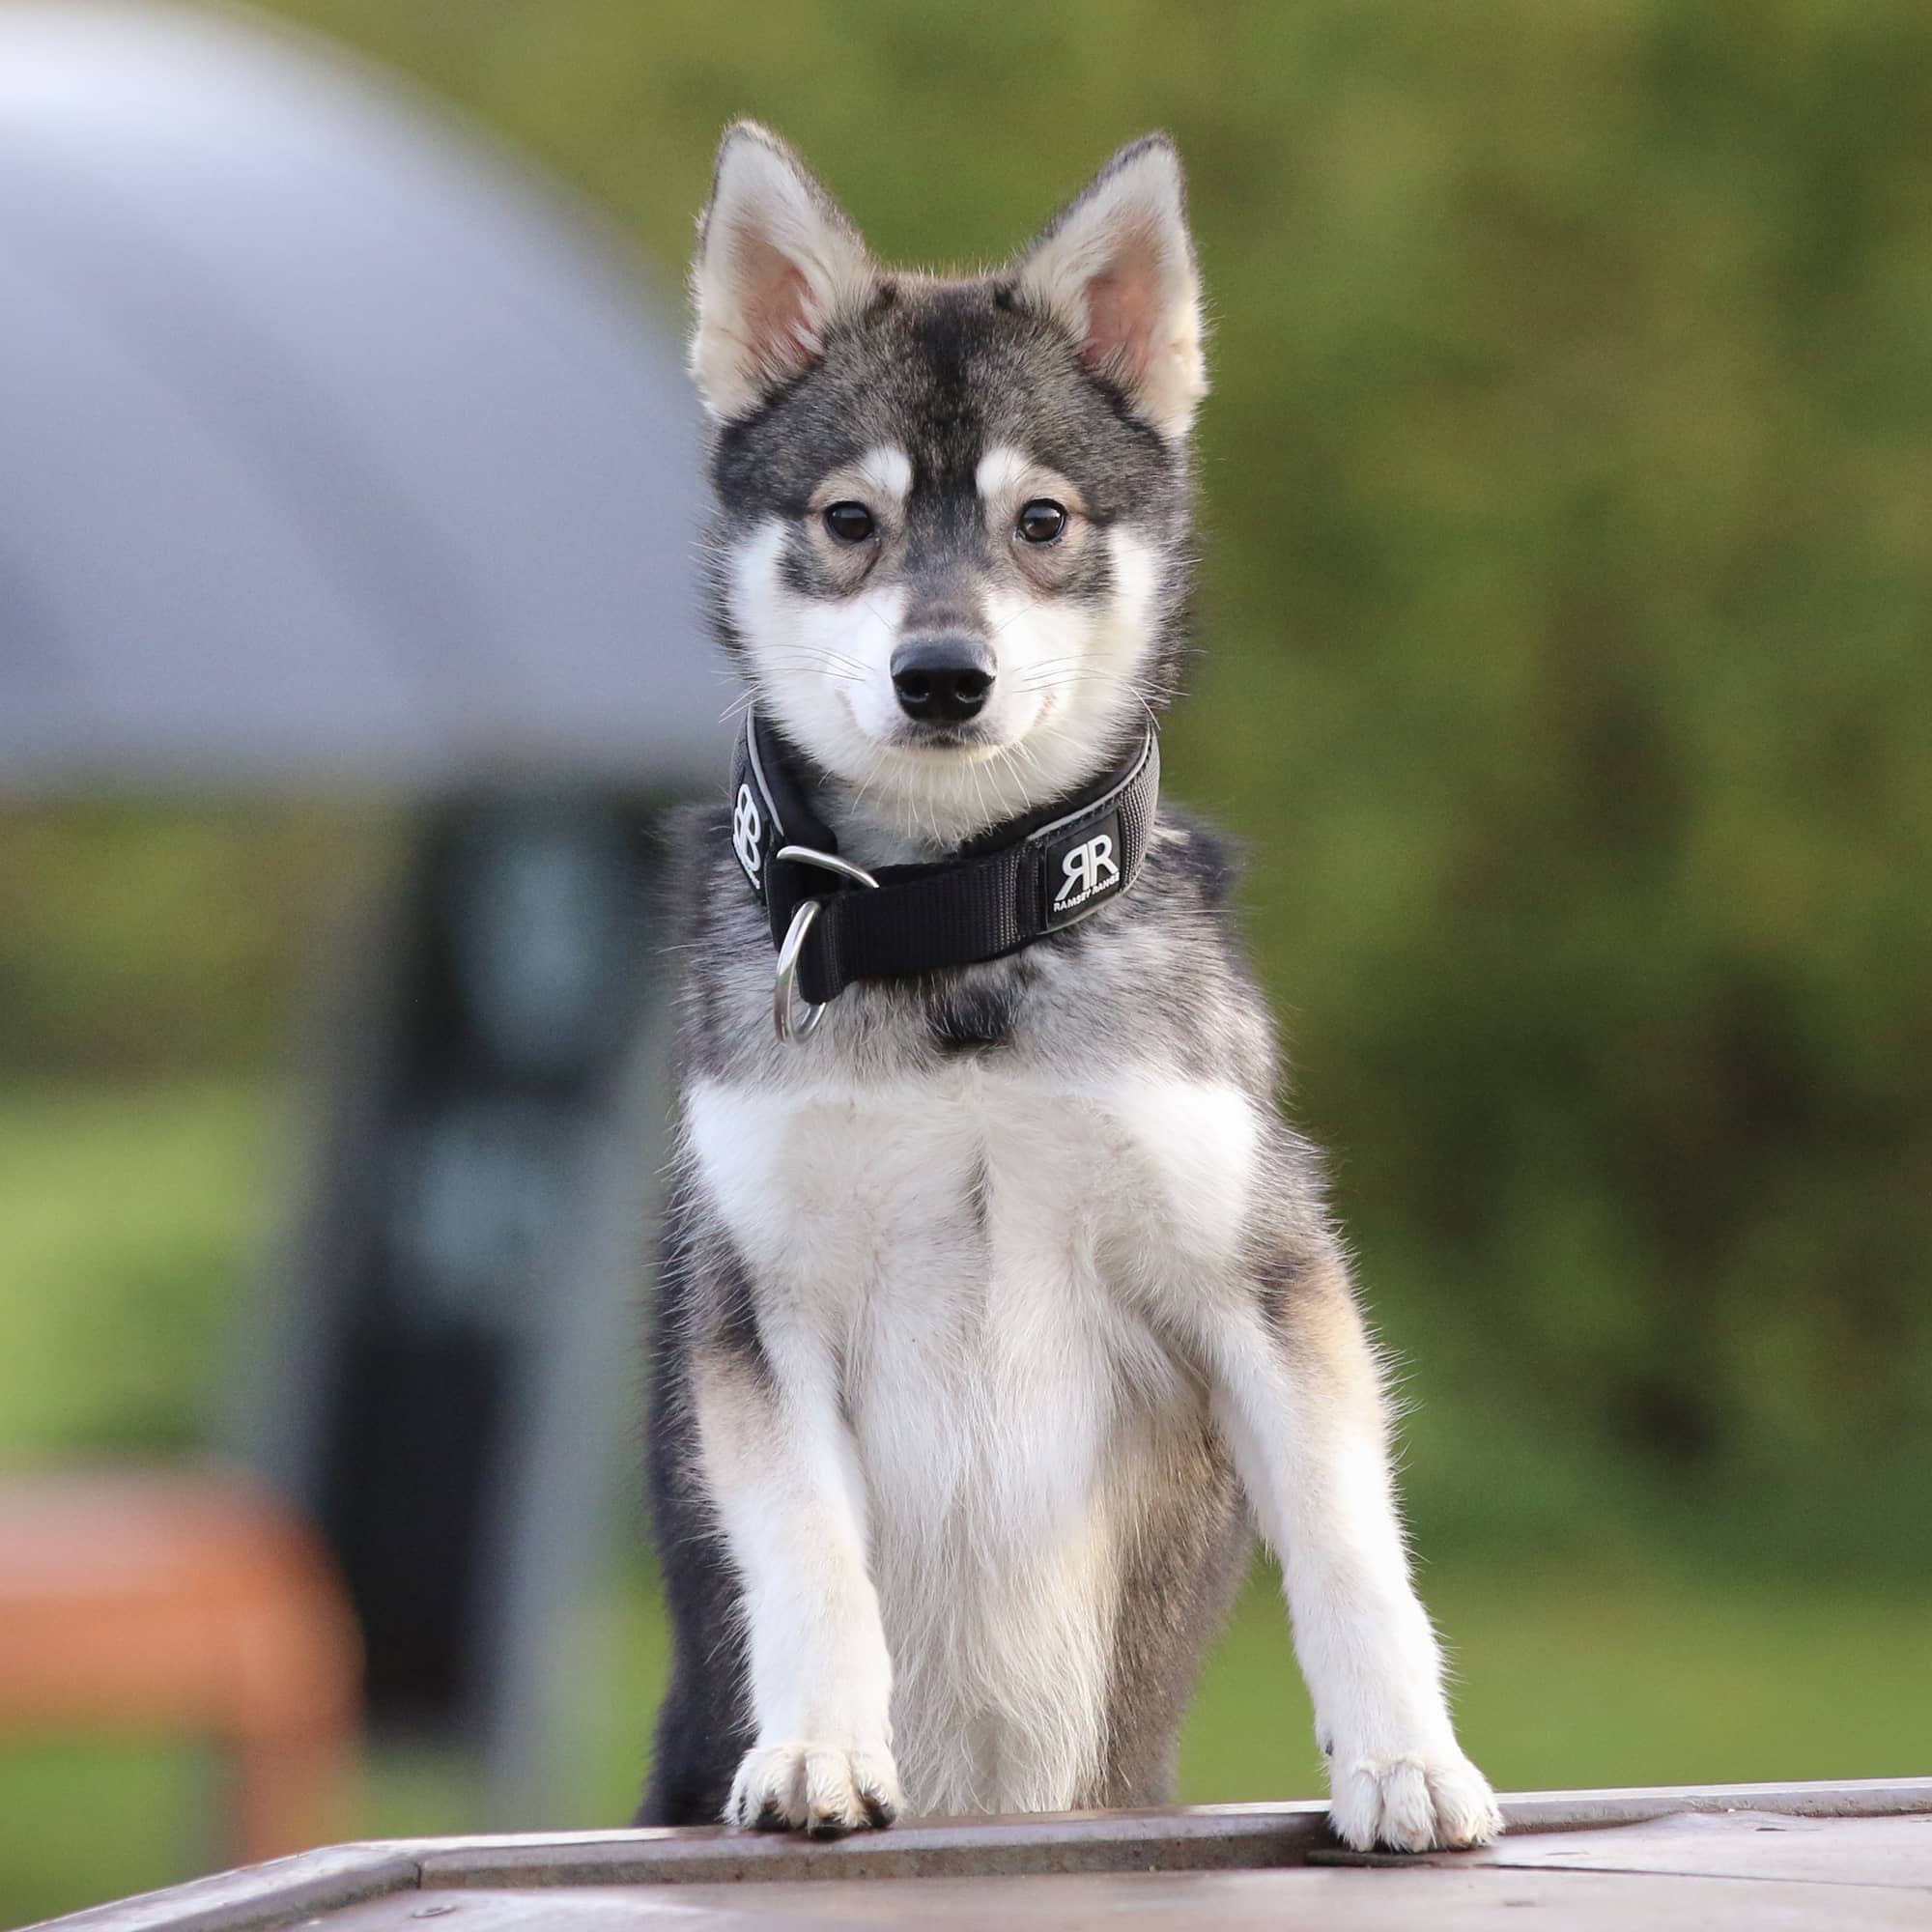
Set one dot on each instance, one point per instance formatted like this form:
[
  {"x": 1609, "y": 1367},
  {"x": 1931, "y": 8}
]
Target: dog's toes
[
  {"x": 833, "y": 1806},
  {"x": 1466, "y": 1812},
  {"x": 876, "y": 1780},
  {"x": 824, "y": 1789},
  {"x": 762, "y": 1793},
  {"x": 1416, "y": 1801}
]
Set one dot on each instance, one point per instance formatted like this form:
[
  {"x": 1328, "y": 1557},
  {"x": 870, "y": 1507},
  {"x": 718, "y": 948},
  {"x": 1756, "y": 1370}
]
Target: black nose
[{"x": 943, "y": 680}]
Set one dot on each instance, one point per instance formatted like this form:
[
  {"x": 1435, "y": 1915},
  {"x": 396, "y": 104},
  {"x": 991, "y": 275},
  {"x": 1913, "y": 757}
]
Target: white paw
[
  {"x": 1417, "y": 1801},
  {"x": 826, "y": 1789}
]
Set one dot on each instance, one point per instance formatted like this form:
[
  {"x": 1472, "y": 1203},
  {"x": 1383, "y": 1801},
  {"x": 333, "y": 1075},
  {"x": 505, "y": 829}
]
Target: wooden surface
[{"x": 1744, "y": 1856}]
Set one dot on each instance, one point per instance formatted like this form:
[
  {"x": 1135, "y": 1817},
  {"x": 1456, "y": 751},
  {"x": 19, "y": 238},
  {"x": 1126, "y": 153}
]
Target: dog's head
[{"x": 951, "y": 514}]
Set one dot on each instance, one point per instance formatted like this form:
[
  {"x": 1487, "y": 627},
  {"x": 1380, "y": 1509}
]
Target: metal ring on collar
[{"x": 787, "y": 977}]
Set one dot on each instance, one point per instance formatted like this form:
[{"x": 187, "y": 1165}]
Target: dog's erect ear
[
  {"x": 777, "y": 262},
  {"x": 1117, "y": 269}
]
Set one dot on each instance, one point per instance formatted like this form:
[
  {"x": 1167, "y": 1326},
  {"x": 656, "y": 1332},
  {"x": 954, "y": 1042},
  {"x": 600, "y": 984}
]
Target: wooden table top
[{"x": 1770, "y": 1857}]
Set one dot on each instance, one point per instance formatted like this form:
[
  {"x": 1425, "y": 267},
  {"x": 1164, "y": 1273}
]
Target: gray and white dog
[{"x": 995, "y": 1316}]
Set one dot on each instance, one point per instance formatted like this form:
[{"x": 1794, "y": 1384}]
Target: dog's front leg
[
  {"x": 1299, "y": 1399},
  {"x": 779, "y": 1467}
]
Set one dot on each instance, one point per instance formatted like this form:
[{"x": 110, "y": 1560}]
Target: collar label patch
[{"x": 1082, "y": 869}]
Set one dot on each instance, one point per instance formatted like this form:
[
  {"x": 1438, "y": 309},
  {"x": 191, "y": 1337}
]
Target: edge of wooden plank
[
  {"x": 1253, "y": 1837},
  {"x": 1832, "y": 1798},
  {"x": 256, "y": 1897},
  {"x": 1196, "y": 1838}
]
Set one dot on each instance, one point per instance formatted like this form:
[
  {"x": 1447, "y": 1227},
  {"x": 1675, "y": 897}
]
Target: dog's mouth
[
  {"x": 968, "y": 737},
  {"x": 947, "y": 738}
]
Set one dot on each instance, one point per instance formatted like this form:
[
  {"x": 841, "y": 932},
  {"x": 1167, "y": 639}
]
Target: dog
[{"x": 998, "y": 1306}]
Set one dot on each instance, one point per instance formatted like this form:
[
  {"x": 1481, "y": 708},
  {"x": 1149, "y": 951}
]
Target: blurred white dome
[{"x": 332, "y": 449}]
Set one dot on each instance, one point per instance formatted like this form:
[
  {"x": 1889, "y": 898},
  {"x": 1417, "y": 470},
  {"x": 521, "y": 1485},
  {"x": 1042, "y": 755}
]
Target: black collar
[{"x": 1021, "y": 881}]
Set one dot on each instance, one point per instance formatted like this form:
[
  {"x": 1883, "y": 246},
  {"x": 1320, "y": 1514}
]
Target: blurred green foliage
[
  {"x": 129, "y": 1215},
  {"x": 145, "y": 938},
  {"x": 1567, "y": 547}
]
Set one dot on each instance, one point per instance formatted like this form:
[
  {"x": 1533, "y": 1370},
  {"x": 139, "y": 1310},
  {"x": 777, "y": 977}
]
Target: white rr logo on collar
[{"x": 1086, "y": 869}]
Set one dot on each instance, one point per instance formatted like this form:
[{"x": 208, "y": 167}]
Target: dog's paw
[
  {"x": 1419, "y": 1801},
  {"x": 825, "y": 1789}
]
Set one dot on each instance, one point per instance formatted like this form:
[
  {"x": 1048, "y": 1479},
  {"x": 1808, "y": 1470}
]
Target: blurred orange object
[{"x": 188, "y": 1604}]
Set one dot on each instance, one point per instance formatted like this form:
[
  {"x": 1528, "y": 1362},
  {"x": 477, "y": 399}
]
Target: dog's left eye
[
  {"x": 849, "y": 522},
  {"x": 1040, "y": 522}
]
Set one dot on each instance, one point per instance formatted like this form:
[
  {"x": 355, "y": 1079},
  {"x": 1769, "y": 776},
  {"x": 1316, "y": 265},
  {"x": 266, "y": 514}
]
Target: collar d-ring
[{"x": 784, "y": 982}]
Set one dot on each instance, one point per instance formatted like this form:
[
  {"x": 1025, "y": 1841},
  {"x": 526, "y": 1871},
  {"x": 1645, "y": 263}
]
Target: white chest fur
[{"x": 994, "y": 1264}]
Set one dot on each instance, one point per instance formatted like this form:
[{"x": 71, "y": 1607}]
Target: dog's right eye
[{"x": 849, "y": 522}]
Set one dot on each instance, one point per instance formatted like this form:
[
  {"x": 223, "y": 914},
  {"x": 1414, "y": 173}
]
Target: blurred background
[{"x": 1564, "y": 610}]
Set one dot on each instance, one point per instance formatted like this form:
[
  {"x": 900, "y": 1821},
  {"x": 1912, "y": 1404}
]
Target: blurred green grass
[
  {"x": 1578, "y": 1674},
  {"x": 128, "y": 1213},
  {"x": 133, "y": 1216}
]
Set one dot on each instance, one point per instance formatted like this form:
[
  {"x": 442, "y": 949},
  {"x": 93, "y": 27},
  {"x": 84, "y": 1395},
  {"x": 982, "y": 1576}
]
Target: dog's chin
[
  {"x": 966, "y": 743},
  {"x": 936, "y": 785}
]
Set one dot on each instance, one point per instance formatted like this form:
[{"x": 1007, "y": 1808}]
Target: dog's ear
[
  {"x": 776, "y": 261},
  {"x": 1115, "y": 268}
]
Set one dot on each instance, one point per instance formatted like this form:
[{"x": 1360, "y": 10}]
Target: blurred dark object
[
  {"x": 443, "y": 1379},
  {"x": 189, "y": 1605},
  {"x": 335, "y": 452}
]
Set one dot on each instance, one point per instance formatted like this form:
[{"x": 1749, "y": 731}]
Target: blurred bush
[
  {"x": 1567, "y": 550},
  {"x": 140, "y": 942}
]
